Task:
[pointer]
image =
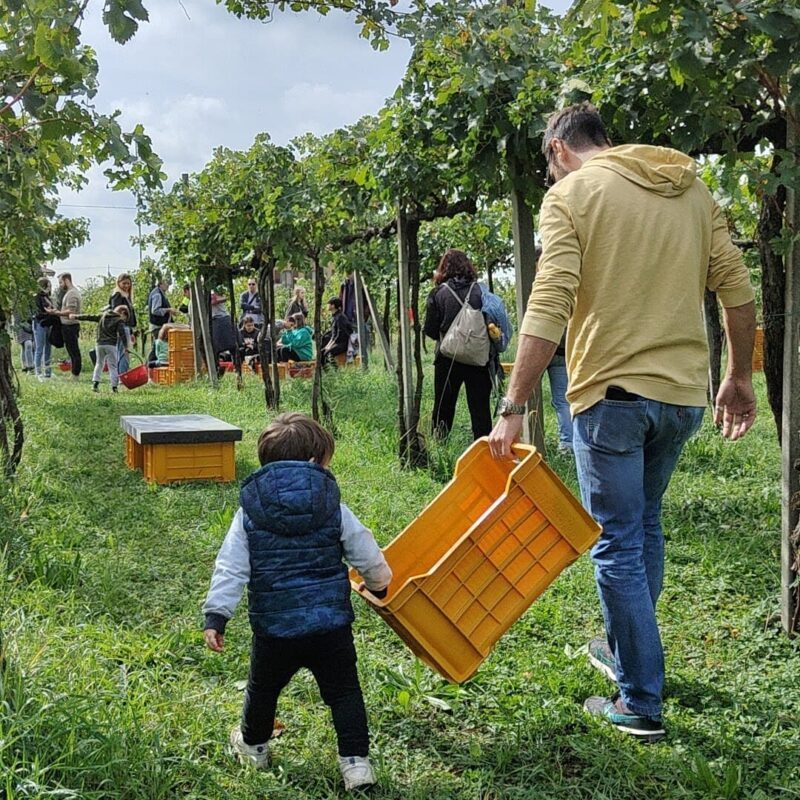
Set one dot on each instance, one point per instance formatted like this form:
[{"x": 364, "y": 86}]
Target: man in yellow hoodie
[{"x": 631, "y": 238}]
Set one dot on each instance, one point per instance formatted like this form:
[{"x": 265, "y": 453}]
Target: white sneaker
[
  {"x": 257, "y": 755},
  {"x": 357, "y": 772}
]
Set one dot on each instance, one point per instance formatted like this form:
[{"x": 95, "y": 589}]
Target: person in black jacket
[
  {"x": 335, "y": 341},
  {"x": 43, "y": 318},
  {"x": 298, "y": 304},
  {"x": 159, "y": 312},
  {"x": 250, "y": 303},
  {"x": 456, "y": 270},
  {"x": 123, "y": 296},
  {"x": 110, "y": 329}
]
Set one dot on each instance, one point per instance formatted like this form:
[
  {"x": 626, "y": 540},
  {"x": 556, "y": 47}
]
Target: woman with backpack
[{"x": 462, "y": 354}]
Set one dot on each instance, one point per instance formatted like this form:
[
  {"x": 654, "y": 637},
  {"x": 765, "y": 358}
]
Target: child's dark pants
[{"x": 331, "y": 658}]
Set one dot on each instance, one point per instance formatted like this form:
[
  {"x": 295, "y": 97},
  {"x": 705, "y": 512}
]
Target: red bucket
[{"x": 135, "y": 377}]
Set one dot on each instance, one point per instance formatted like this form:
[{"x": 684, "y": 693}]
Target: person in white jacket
[{"x": 287, "y": 543}]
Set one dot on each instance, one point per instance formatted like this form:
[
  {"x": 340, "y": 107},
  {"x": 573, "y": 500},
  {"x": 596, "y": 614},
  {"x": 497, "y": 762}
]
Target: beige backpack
[{"x": 466, "y": 340}]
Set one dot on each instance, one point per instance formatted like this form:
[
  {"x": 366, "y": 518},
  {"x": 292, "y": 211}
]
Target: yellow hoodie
[{"x": 629, "y": 243}]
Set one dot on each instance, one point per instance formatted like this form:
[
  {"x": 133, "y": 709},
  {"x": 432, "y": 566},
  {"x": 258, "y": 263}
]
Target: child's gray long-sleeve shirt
[{"x": 232, "y": 567}]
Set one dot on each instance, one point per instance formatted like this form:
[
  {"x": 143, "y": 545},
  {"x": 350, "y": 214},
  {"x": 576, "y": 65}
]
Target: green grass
[{"x": 107, "y": 691}]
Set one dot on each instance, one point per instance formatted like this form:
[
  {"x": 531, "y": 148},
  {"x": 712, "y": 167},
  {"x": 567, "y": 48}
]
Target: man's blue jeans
[
  {"x": 557, "y": 373},
  {"x": 625, "y": 452}
]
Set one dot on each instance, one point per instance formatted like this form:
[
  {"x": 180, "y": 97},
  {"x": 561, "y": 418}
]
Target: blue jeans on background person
[
  {"x": 557, "y": 374},
  {"x": 625, "y": 452},
  {"x": 28, "y": 350},
  {"x": 41, "y": 353},
  {"x": 123, "y": 362}
]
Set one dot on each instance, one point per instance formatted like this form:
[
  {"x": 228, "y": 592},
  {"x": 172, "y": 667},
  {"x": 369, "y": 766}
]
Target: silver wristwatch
[{"x": 505, "y": 408}]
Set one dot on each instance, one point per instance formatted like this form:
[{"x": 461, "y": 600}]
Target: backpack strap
[{"x": 453, "y": 292}]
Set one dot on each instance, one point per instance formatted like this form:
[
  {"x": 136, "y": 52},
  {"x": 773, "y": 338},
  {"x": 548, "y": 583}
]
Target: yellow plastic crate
[
  {"x": 341, "y": 360},
  {"x": 160, "y": 375},
  {"x": 180, "y": 374},
  {"x": 180, "y": 339},
  {"x": 182, "y": 358},
  {"x": 477, "y": 557},
  {"x": 134, "y": 454},
  {"x": 300, "y": 369},
  {"x": 168, "y": 463}
]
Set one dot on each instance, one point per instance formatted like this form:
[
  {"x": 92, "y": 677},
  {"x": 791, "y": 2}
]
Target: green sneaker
[
  {"x": 647, "y": 729},
  {"x": 601, "y": 658}
]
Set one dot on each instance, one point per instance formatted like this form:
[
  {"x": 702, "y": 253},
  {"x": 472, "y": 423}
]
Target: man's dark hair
[
  {"x": 579, "y": 126},
  {"x": 336, "y": 303},
  {"x": 298, "y": 318},
  {"x": 295, "y": 437},
  {"x": 456, "y": 264},
  {"x": 66, "y": 276}
]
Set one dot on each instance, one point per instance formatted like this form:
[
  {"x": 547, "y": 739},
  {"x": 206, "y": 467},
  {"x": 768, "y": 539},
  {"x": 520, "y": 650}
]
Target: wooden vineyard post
[
  {"x": 361, "y": 324},
  {"x": 199, "y": 301},
  {"x": 236, "y": 354},
  {"x": 525, "y": 271},
  {"x": 405, "y": 374},
  {"x": 790, "y": 494},
  {"x": 268, "y": 299},
  {"x": 194, "y": 321},
  {"x": 377, "y": 326}
]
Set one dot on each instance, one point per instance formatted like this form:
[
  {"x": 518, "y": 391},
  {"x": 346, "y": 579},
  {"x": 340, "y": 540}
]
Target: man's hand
[
  {"x": 214, "y": 640},
  {"x": 506, "y": 431},
  {"x": 533, "y": 356},
  {"x": 735, "y": 408}
]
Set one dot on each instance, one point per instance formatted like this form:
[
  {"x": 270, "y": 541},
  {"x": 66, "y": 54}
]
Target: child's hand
[
  {"x": 214, "y": 640},
  {"x": 380, "y": 594}
]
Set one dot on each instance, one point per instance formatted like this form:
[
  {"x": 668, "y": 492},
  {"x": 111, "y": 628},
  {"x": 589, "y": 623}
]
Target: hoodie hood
[
  {"x": 662, "y": 170},
  {"x": 290, "y": 498}
]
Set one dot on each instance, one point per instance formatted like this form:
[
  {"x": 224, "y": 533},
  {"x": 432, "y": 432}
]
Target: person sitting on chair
[{"x": 335, "y": 341}]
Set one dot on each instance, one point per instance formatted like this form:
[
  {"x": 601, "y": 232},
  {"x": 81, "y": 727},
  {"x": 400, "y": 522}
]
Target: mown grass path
[{"x": 107, "y": 691}]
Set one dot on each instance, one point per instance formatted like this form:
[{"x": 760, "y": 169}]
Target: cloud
[
  {"x": 319, "y": 107},
  {"x": 184, "y": 129},
  {"x": 209, "y": 79}
]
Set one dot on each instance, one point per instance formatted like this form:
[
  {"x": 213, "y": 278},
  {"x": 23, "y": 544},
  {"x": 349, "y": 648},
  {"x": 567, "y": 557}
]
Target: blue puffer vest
[{"x": 298, "y": 581}]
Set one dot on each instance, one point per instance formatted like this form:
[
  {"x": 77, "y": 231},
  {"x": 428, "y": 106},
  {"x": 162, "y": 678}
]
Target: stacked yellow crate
[
  {"x": 160, "y": 375},
  {"x": 181, "y": 355}
]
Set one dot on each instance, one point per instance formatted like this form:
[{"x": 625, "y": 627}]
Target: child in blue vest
[{"x": 287, "y": 543}]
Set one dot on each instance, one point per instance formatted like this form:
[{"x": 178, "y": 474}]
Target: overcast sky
[{"x": 198, "y": 78}]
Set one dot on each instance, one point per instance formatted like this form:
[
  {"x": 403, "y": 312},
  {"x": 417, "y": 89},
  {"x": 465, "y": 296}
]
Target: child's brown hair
[{"x": 295, "y": 437}]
